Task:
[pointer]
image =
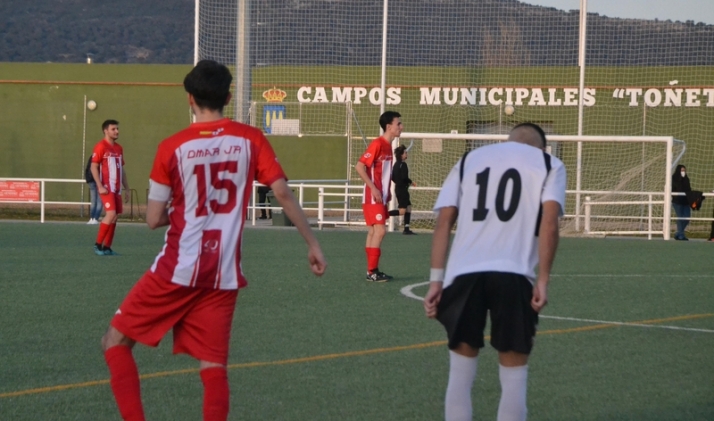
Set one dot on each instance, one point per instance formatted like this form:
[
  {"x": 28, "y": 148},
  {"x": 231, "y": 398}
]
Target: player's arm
[
  {"x": 294, "y": 212},
  {"x": 439, "y": 246},
  {"x": 157, "y": 214},
  {"x": 548, "y": 237},
  {"x": 94, "y": 168},
  {"x": 361, "y": 169}
]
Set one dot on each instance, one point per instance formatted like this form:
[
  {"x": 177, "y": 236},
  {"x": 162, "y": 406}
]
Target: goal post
[
  {"x": 625, "y": 179},
  {"x": 222, "y": 33}
]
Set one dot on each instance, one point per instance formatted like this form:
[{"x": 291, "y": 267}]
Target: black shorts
[
  {"x": 402, "y": 198},
  {"x": 507, "y": 296}
]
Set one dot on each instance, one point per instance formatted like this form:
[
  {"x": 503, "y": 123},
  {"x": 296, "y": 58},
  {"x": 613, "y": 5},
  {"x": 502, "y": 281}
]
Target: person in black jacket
[
  {"x": 263, "y": 202},
  {"x": 95, "y": 209},
  {"x": 402, "y": 182},
  {"x": 680, "y": 184}
]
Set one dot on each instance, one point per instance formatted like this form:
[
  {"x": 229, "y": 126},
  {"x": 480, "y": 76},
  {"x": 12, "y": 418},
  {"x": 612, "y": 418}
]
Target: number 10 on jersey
[{"x": 503, "y": 213}]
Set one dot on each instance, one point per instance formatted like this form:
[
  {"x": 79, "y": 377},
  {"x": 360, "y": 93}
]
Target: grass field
[{"x": 628, "y": 333}]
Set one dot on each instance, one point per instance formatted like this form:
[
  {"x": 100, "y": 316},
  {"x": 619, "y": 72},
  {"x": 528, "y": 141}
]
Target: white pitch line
[
  {"x": 625, "y": 275},
  {"x": 407, "y": 292},
  {"x": 605, "y": 322}
]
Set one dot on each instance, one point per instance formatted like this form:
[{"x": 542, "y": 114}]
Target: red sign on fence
[{"x": 19, "y": 191}]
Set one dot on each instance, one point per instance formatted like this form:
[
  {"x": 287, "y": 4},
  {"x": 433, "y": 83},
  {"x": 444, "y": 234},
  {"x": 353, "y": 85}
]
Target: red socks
[
  {"x": 215, "y": 394},
  {"x": 103, "y": 231},
  {"x": 125, "y": 382},
  {"x": 110, "y": 235},
  {"x": 373, "y": 254},
  {"x": 127, "y": 388}
]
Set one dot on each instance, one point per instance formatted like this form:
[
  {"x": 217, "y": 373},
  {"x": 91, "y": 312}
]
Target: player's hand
[
  {"x": 127, "y": 193},
  {"x": 317, "y": 261},
  {"x": 540, "y": 296},
  {"x": 431, "y": 301},
  {"x": 414, "y": 184},
  {"x": 102, "y": 190},
  {"x": 376, "y": 194}
]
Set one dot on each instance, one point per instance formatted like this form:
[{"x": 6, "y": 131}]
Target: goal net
[
  {"x": 616, "y": 185},
  {"x": 474, "y": 67}
]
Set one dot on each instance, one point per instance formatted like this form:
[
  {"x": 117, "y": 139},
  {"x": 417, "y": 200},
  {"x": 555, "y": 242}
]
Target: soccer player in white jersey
[
  {"x": 205, "y": 173},
  {"x": 506, "y": 199}
]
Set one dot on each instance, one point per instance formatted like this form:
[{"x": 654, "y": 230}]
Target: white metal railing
[
  {"x": 301, "y": 186},
  {"x": 42, "y": 202},
  {"x": 342, "y": 192},
  {"x": 358, "y": 192},
  {"x": 650, "y": 202}
]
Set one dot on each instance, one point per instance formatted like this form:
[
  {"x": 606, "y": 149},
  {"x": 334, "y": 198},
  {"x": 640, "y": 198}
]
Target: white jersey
[{"x": 499, "y": 198}]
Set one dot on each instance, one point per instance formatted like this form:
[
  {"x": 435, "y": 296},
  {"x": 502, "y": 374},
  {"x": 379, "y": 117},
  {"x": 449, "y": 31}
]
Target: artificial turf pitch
[{"x": 628, "y": 333}]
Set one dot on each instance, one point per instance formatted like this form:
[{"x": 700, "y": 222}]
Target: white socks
[
  {"x": 462, "y": 372},
  {"x": 514, "y": 382}
]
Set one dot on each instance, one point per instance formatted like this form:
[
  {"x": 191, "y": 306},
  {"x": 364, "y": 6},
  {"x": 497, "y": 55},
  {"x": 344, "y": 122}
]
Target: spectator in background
[
  {"x": 95, "y": 208},
  {"x": 263, "y": 202},
  {"x": 402, "y": 182},
  {"x": 680, "y": 184}
]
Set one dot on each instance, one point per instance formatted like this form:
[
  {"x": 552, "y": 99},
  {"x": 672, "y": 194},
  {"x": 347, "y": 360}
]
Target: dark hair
[
  {"x": 534, "y": 127},
  {"x": 108, "y": 123},
  {"x": 210, "y": 84},
  {"x": 399, "y": 151},
  {"x": 387, "y": 118}
]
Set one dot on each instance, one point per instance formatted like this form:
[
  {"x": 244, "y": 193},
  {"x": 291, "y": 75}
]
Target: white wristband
[{"x": 437, "y": 275}]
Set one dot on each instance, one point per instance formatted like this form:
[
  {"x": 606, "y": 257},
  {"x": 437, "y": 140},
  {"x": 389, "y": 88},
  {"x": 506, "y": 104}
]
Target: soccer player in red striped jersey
[
  {"x": 375, "y": 168},
  {"x": 205, "y": 174},
  {"x": 108, "y": 171}
]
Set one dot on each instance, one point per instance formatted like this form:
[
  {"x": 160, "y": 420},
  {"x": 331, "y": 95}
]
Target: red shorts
[
  {"x": 201, "y": 318},
  {"x": 112, "y": 202},
  {"x": 375, "y": 214}
]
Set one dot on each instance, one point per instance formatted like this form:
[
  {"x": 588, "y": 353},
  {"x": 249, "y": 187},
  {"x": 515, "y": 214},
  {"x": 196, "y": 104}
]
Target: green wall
[{"x": 43, "y": 133}]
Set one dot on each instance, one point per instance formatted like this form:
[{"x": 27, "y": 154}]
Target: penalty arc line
[{"x": 407, "y": 292}]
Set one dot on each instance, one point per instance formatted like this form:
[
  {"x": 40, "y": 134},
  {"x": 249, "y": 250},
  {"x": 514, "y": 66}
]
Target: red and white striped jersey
[
  {"x": 378, "y": 160},
  {"x": 111, "y": 164},
  {"x": 210, "y": 168}
]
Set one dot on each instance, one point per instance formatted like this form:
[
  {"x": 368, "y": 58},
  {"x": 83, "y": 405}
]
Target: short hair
[
  {"x": 399, "y": 152},
  {"x": 387, "y": 118},
  {"x": 535, "y": 127},
  {"x": 108, "y": 123},
  {"x": 210, "y": 84}
]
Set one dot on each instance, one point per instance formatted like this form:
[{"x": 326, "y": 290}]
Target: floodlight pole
[
  {"x": 84, "y": 145},
  {"x": 242, "y": 93},
  {"x": 581, "y": 63},
  {"x": 384, "y": 56},
  {"x": 197, "y": 10},
  {"x": 383, "y": 87}
]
